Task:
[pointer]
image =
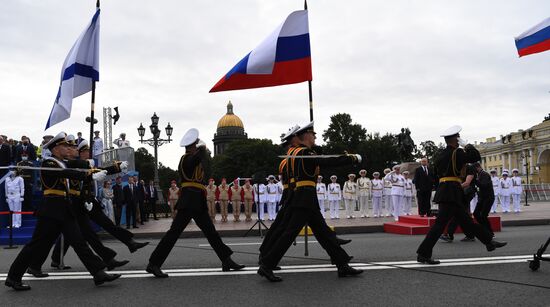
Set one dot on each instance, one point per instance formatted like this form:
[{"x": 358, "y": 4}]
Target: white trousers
[
  {"x": 261, "y": 209},
  {"x": 516, "y": 200},
  {"x": 397, "y": 202},
  {"x": 407, "y": 204},
  {"x": 364, "y": 205},
  {"x": 322, "y": 207},
  {"x": 388, "y": 205},
  {"x": 350, "y": 207},
  {"x": 505, "y": 203},
  {"x": 334, "y": 206},
  {"x": 494, "y": 206},
  {"x": 377, "y": 206},
  {"x": 272, "y": 210},
  {"x": 15, "y": 205}
]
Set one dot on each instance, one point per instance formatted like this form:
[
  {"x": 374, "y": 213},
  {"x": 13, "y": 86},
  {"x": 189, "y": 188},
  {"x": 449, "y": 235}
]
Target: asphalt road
[{"x": 469, "y": 275}]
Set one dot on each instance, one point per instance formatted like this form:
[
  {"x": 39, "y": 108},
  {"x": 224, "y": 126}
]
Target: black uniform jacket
[
  {"x": 193, "y": 191},
  {"x": 55, "y": 185},
  {"x": 306, "y": 171},
  {"x": 450, "y": 164}
]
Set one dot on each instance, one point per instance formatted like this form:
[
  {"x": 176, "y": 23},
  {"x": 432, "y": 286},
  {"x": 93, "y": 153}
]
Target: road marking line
[
  {"x": 308, "y": 268},
  {"x": 252, "y": 243}
]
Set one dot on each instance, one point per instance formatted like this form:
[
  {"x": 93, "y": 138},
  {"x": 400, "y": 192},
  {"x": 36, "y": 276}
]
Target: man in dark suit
[
  {"x": 140, "y": 200},
  {"x": 152, "y": 198},
  {"x": 25, "y": 151},
  {"x": 118, "y": 199},
  {"x": 5, "y": 155},
  {"x": 424, "y": 182},
  {"x": 130, "y": 199}
]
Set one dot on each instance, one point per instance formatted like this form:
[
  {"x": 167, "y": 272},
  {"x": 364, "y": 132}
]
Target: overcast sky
[{"x": 424, "y": 64}]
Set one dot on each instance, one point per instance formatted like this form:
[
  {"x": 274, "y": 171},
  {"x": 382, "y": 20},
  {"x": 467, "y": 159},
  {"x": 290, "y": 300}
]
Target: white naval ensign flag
[{"x": 80, "y": 70}]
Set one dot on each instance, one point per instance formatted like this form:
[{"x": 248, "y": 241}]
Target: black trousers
[
  {"x": 153, "y": 207},
  {"x": 46, "y": 232},
  {"x": 424, "y": 202},
  {"x": 118, "y": 213},
  {"x": 142, "y": 211},
  {"x": 481, "y": 213},
  {"x": 121, "y": 234},
  {"x": 447, "y": 211},
  {"x": 280, "y": 224},
  {"x": 182, "y": 219},
  {"x": 131, "y": 214},
  {"x": 298, "y": 217}
]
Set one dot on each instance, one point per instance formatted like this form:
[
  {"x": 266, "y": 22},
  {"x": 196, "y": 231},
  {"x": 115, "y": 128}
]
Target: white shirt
[
  {"x": 334, "y": 192},
  {"x": 496, "y": 184},
  {"x": 262, "y": 193},
  {"x": 397, "y": 183},
  {"x": 350, "y": 190},
  {"x": 516, "y": 185},
  {"x": 98, "y": 146},
  {"x": 409, "y": 187},
  {"x": 321, "y": 191},
  {"x": 363, "y": 184},
  {"x": 387, "y": 186},
  {"x": 377, "y": 186},
  {"x": 15, "y": 187},
  {"x": 122, "y": 143},
  {"x": 272, "y": 192},
  {"x": 505, "y": 186}
]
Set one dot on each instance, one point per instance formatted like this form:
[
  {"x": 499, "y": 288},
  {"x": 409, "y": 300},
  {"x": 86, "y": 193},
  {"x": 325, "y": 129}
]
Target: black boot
[
  {"x": 101, "y": 277},
  {"x": 155, "y": 270},
  {"x": 134, "y": 246},
  {"x": 16, "y": 285},
  {"x": 342, "y": 241},
  {"x": 345, "y": 270},
  {"x": 491, "y": 246},
  {"x": 228, "y": 264},
  {"x": 427, "y": 260},
  {"x": 37, "y": 273},
  {"x": 266, "y": 272},
  {"x": 113, "y": 263}
]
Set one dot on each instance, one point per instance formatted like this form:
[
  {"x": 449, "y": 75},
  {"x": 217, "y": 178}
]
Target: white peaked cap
[
  {"x": 451, "y": 131},
  {"x": 190, "y": 137}
]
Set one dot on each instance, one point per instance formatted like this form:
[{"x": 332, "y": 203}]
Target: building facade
[
  {"x": 230, "y": 128},
  {"x": 527, "y": 150}
]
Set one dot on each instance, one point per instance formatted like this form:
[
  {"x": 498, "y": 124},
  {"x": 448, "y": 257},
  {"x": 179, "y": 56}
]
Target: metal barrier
[
  {"x": 536, "y": 192},
  {"x": 107, "y": 157}
]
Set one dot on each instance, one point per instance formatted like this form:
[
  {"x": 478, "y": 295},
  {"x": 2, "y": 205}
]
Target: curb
[{"x": 339, "y": 230}]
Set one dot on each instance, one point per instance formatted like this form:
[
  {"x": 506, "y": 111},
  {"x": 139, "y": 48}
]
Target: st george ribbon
[{"x": 80, "y": 70}]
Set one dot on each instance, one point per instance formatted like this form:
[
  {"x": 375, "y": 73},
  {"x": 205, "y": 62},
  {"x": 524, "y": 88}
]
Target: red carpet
[{"x": 417, "y": 225}]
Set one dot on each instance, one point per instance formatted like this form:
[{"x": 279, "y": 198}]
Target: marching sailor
[
  {"x": 450, "y": 196},
  {"x": 191, "y": 205},
  {"x": 56, "y": 216}
]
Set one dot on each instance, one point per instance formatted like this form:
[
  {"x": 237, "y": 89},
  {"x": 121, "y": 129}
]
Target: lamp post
[
  {"x": 155, "y": 142},
  {"x": 526, "y": 164}
]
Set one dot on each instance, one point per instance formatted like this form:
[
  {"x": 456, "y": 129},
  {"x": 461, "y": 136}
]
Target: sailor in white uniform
[
  {"x": 363, "y": 186},
  {"x": 397, "y": 190},
  {"x": 350, "y": 196},
  {"x": 387, "y": 193},
  {"x": 377, "y": 187},
  {"x": 321, "y": 194},
  {"x": 496, "y": 190},
  {"x": 505, "y": 191},
  {"x": 516, "y": 190},
  {"x": 334, "y": 197},
  {"x": 15, "y": 191}
]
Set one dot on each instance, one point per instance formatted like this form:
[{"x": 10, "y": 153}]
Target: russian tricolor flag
[
  {"x": 534, "y": 40},
  {"x": 284, "y": 57}
]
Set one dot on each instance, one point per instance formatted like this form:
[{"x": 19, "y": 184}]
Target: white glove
[
  {"x": 88, "y": 206},
  {"x": 99, "y": 176},
  {"x": 124, "y": 166},
  {"x": 21, "y": 199},
  {"x": 359, "y": 159},
  {"x": 201, "y": 143},
  {"x": 91, "y": 162}
]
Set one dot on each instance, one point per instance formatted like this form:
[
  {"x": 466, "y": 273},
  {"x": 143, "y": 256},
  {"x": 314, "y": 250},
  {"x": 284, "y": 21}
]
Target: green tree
[
  {"x": 429, "y": 150},
  {"x": 145, "y": 164},
  {"x": 342, "y": 135},
  {"x": 246, "y": 158}
]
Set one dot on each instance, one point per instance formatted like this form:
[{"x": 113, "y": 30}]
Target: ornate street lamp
[
  {"x": 155, "y": 142},
  {"x": 528, "y": 186}
]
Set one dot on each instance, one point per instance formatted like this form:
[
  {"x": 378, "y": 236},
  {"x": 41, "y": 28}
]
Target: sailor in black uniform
[
  {"x": 450, "y": 196},
  {"x": 304, "y": 208},
  {"x": 56, "y": 217},
  {"x": 191, "y": 205}
]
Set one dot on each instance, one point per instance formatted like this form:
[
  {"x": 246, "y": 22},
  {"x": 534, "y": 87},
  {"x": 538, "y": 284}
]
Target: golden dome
[{"x": 230, "y": 119}]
